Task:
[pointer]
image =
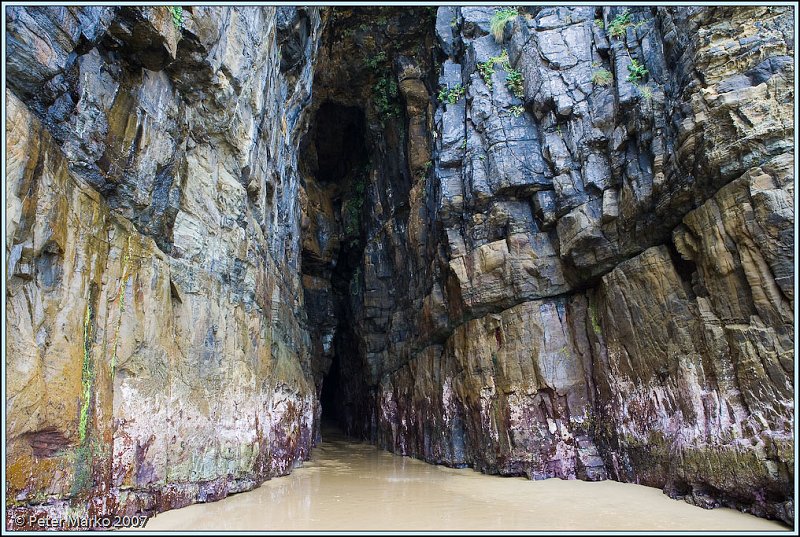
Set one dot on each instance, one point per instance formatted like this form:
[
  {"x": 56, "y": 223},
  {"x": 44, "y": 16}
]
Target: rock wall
[
  {"x": 561, "y": 246},
  {"x": 604, "y": 289},
  {"x": 157, "y": 353}
]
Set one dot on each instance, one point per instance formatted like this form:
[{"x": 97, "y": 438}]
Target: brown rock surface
[{"x": 156, "y": 353}]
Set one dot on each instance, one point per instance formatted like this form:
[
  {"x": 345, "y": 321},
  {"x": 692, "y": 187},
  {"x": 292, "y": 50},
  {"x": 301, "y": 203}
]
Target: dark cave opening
[
  {"x": 330, "y": 392},
  {"x": 338, "y": 140},
  {"x": 357, "y": 179},
  {"x": 336, "y": 164}
]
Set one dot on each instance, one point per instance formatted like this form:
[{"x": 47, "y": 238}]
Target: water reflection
[{"x": 354, "y": 486}]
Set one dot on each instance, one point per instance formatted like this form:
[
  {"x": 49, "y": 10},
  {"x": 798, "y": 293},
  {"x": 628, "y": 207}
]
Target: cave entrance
[
  {"x": 338, "y": 140},
  {"x": 330, "y": 393},
  {"x": 371, "y": 112},
  {"x": 335, "y": 165}
]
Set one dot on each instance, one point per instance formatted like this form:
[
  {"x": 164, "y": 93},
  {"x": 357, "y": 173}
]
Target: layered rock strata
[
  {"x": 559, "y": 247},
  {"x": 156, "y": 354},
  {"x": 601, "y": 260}
]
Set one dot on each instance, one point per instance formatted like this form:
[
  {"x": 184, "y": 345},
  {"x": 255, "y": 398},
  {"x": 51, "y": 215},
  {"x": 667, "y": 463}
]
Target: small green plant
[
  {"x": 486, "y": 69},
  {"x": 353, "y": 205},
  {"x": 599, "y": 23},
  {"x": 516, "y": 111},
  {"x": 593, "y": 319},
  {"x": 646, "y": 92},
  {"x": 498, "y": 22},
  {"x": 637, "y": 71},
  {"x": 385, "y": 94},
  {"x": 602, "y": 77},
  {"x": 513, "y": 77},
  {"x": 454, "y": 22},
  {"x": 451, "y": 95},
  {"x": 385, "y": 90},
  {"x": 514, "y": 82},
  {"x": 617, "y": 27},
  {"x": 376, "y": 60},
  {"x": 177, "y": 16}
]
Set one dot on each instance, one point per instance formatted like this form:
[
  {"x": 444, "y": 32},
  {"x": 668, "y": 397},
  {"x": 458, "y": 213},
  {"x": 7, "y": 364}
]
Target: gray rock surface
[{"x": 652, "y": 217}]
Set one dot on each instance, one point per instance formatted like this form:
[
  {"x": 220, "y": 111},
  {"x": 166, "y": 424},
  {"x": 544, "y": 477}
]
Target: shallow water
[{"x": 355, "y": 486}]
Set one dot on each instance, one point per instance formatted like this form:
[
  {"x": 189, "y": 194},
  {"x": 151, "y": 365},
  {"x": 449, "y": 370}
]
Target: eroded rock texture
[
  {"x": 508, "y": 251},
  {"x": 156, "y": 352},
  {"x": 595, "y": 278}
]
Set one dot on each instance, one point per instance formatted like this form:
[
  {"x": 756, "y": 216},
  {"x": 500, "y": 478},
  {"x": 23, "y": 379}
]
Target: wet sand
[{"x": 355, "y": 486}]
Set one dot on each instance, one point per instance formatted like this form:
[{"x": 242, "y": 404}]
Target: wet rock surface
[
  {"x": 559, "y": 249},
  {"x": 610, "y": 284},
  {"x": 157, "y": 356}
]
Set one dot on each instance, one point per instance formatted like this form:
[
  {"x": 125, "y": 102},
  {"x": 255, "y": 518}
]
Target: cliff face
[
  {"x": 563, "y": 250},
  {"x": 589, "y": 278},
  {"x": 156, "y": 351}
]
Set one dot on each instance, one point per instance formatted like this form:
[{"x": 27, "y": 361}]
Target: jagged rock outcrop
[{"x": 559, "y": 247}]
